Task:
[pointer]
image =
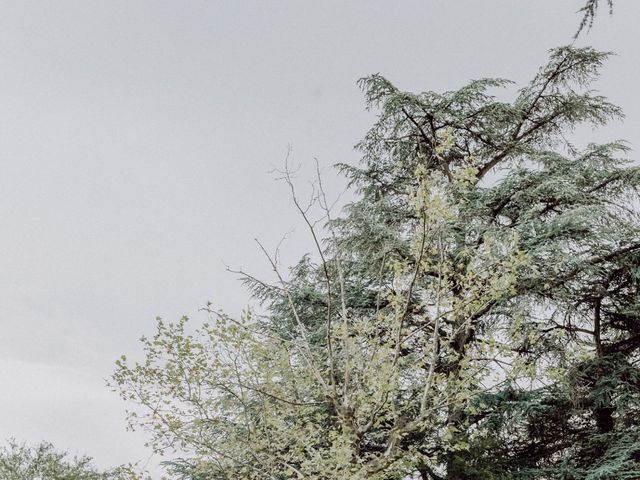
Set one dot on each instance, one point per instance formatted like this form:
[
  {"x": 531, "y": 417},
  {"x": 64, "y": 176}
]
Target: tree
[
  {"x": 473, "y": 315},
  {"x": 43, "y": 462}
]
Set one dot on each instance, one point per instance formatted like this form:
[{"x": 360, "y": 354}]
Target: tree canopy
[
  {"x": 44, "y": 462},
  {"x": 473, "y": 314}
]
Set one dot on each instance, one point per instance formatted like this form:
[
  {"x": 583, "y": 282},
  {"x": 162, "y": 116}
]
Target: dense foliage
[
  {"x": 473, "y": 315},
  {"x": 43, "y": 462}
]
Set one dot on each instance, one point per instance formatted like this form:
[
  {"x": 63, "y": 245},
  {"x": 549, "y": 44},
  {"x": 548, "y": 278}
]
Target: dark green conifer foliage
[
  {"x": 574, "y": 308},
  {"x": 538, "y": 366}
]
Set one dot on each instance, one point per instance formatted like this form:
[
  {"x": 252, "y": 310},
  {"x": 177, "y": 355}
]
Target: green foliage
[
  {"x": 472, "y": 315},
  {"x": 43, "y": 462}
]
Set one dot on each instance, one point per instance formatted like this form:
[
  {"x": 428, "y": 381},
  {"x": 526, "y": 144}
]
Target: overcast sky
[{"x": 136, "y": 140}]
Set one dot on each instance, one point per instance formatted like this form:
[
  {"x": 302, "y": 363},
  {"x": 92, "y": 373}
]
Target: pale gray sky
[{"x": 135, "y": 143}]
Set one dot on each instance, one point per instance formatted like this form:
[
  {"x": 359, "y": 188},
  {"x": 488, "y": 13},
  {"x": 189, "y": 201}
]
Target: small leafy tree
[
  {"x": 473, "y": 315},
  {"x": 43, "y": 462}
]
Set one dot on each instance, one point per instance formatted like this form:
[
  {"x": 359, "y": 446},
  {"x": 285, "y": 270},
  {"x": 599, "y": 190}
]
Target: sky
[{"x": 138, "y": 141}]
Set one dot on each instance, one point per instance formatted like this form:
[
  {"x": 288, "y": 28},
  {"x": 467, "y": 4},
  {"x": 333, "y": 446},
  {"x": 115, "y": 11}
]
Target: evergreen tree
[
  {"x": 570, "y": 212},
  {"x": 472, "y": 315}
]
